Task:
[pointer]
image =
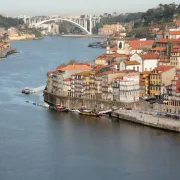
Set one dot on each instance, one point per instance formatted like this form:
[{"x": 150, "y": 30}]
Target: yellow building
[
  {"x": 145, "y": 81},
  {"x": 161, "y": 76},
  {"x": 155, "y": 84}
]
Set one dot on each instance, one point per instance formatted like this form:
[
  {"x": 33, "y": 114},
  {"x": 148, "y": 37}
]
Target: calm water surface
[{"x": 38, "y": 144}]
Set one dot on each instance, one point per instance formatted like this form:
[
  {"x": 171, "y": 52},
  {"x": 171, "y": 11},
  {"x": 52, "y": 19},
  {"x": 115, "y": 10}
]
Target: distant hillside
[
  {"x": 9, "y": 22},
  {"x": 162, "y": 14}
]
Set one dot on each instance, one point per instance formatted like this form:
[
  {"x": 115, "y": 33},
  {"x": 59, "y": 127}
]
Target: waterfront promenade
[{"x": 148, "y": 118}]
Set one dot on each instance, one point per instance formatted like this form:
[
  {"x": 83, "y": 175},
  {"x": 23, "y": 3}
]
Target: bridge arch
[{"x": 62, "y": 19}]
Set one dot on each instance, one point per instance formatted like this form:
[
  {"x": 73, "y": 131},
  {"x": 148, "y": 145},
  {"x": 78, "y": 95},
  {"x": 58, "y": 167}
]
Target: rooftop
[
  {"x": 164, "y": 68},
  {"x": 132, "y": 63},
  {"x": 150, "y": 56},
  {"x": 174, "y": 32},
  {"x": 139, "y": 44},
  {"x": 78, "y": 66},
  {"x": 159, "y": 49}
]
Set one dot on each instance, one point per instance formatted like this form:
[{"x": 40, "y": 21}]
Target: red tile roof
[
  {"x": 132, "y": 63},
  {"x": 159, "y": 49},
  {"x": 150, "y": 56},
  {"x": 174, "y": 32},
  {"x": 159, "y": 33},
  {"x": 141, "y": 44},
  {"x": 75, "y": 67},
  {"x": 67, "y": 79},
  {"x": 164, "y": 68},
  {"x": 163, "y": 40}
]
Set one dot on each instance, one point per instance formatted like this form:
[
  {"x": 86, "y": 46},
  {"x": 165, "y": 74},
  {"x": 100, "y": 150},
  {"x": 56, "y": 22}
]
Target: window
[{"x": 137, "y": 68}]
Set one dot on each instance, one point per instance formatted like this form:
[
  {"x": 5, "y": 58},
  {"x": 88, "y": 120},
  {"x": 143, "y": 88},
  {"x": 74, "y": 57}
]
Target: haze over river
[{"x": 39, "y": 144}]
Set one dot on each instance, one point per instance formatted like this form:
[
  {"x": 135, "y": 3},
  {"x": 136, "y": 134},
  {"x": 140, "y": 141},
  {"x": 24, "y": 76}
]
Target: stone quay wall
[
  {"x": 95, "y": 104},
  {"x": 148, "y": 119}
]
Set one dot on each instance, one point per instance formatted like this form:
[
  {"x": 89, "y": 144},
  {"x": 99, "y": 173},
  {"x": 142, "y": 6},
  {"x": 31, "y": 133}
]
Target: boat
[
  {"x": 89, "y": 113},
  {"x": 45, "y": 105},
  {"x": 27, "y": 91},
  {"x": 75, "y": 110},
  {"x": 61, "y": 108}
]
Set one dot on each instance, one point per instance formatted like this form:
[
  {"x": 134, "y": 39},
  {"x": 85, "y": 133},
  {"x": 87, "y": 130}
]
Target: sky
[{"x": 76, "y": 7}]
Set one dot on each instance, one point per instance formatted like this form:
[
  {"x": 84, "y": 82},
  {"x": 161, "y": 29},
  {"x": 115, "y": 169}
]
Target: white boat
[
  {"x": 27, "y": 91},
  {"x": 75, "y": 110},
  {"x": 45, "y": 105}
]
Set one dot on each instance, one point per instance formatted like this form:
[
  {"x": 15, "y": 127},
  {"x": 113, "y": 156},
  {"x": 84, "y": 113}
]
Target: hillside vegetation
[
  {"x": 160, "y": 16},
  {"x": 7, "y": 22}
]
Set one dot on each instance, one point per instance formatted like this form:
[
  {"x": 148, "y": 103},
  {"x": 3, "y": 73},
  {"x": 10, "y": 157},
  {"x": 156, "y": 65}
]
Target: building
[
  {"x": 67, "y": 87},
  {"x": 145, "y": 80},
  {"x": 164, "y": 61},
  {"x": 126, "y": 88},
  {"x": 174, "y": 34},
  {"x": 138, "y": 46},
  {"x": 80, "y": 84},
  {"x": 132, "y": 65},
  {"x": 174, "y": 100},
  {"x": 109, "y": 29},
  {"x": 65, "y": 72},
  {"x": 106, "y": 84},
  {"x": 49, "y": 85},
  {"x": 160, "y": 76},
  {"x": 147, "y": 62},
  {"x": 175, "y": 56}
]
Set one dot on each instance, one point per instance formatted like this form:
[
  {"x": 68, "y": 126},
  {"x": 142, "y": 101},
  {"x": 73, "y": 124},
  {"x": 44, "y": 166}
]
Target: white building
[
  {"x": 148, "y": 61},
  {"x": 126, "y": 88}
]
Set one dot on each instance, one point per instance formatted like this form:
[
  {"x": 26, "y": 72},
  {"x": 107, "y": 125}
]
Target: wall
[
  {"x": 150, "y": 64},
  {"x": 137, "y": 58},
  {"x": 168, "y": 76}
]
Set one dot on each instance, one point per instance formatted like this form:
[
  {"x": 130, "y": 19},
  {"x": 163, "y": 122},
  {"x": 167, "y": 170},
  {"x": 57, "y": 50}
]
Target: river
[{"x": 38, "y": 144}]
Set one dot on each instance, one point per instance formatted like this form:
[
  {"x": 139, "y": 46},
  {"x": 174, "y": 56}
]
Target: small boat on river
[
  {"x": 61, "y": 108},
  {"x": 27, "y": 91},
  {"x": 89, "y": 113},
  {"x": 75, "y": 110}
]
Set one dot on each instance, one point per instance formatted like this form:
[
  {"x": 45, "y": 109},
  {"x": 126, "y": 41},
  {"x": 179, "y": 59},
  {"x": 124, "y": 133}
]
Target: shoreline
[
  {"x": 148, "y": 119},
  {"x": 8, "y": 52},
  {"x": 79, "y": 35}
]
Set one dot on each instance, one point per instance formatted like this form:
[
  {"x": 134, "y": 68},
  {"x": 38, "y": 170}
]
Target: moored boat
[
  {"x": 89, "y": 113},
  {"x": 75, "y": 110},
  {"x": 61, "y": 108}
]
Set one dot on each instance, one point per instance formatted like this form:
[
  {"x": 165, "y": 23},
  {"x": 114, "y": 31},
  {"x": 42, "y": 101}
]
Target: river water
[{"x": 38, "y": 144}]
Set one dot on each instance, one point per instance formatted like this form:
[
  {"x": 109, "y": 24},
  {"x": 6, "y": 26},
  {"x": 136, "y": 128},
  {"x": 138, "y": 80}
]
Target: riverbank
[
  {"x": 80, "y": 35},
  {"x": 148, "y": 119},
  {"x": 5, "y": 53}
]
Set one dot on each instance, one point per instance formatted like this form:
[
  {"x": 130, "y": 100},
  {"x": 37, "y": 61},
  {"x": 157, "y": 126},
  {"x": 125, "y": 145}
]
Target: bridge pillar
[{"x": 90, "y": 24}]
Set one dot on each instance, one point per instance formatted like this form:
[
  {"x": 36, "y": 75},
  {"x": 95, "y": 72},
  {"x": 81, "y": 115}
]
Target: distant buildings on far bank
[{"x": 110, "y": 29}]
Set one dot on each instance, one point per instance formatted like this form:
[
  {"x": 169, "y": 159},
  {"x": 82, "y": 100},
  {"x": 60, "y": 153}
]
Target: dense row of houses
[{"x": 133, "y": 70}]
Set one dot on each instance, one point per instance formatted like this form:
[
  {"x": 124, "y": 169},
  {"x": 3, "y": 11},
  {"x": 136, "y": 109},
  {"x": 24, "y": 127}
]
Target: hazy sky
[{"x": 76, "y": 7}]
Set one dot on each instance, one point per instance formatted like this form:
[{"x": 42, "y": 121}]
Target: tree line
[
  {"x": 162, "y": 14},
  {"x": 7, "y": 22}
]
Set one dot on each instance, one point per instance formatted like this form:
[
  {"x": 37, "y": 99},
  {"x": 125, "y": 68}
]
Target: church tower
[{"x": 123, "y": 47}]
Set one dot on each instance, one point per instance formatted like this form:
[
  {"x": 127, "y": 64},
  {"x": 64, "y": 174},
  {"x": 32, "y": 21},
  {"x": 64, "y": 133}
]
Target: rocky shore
[{"x": 7, "y": 52}]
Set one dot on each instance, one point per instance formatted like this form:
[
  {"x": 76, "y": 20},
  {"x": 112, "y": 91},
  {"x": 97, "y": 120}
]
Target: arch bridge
[{"x": 85, "y": 23}]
